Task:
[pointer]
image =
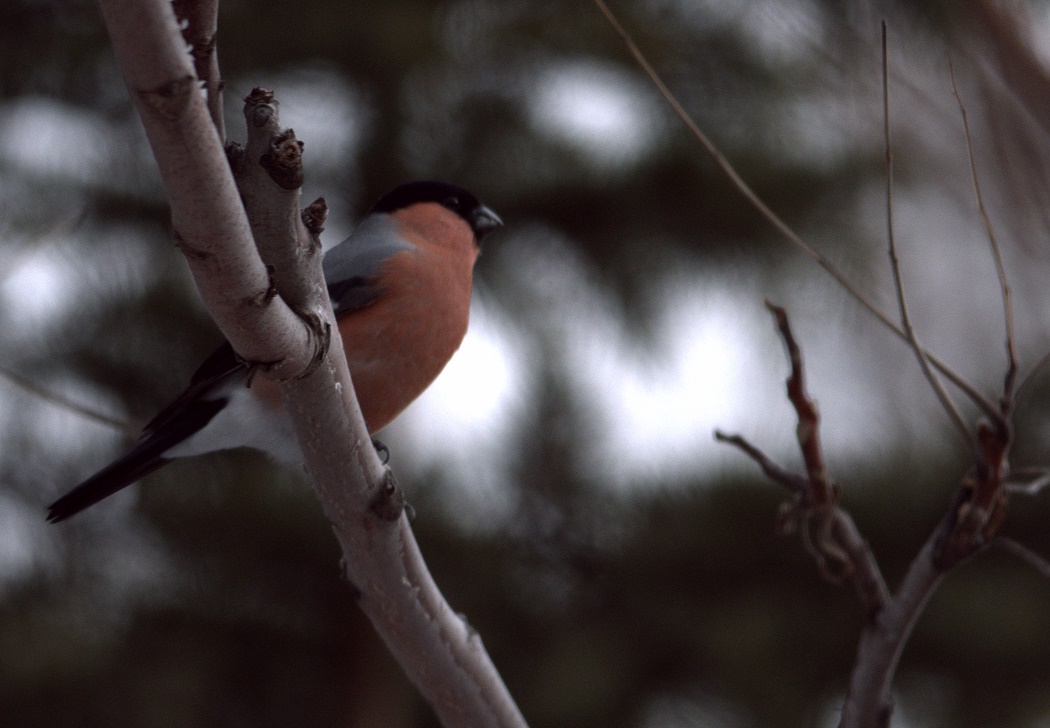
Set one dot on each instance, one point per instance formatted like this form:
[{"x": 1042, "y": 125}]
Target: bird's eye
[{"x": 451, "y": 202}]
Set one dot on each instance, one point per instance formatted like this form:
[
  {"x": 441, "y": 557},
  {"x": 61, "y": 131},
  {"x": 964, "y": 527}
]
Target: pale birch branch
[
  {"x": 868, "y": 703},
  {"x": 201, "y": 33},
  {"x": 440, "y": 653},
  {"x": 210, "y": 225}
]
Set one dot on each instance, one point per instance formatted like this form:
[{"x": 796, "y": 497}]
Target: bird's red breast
[{"x": 397, "y": 345}]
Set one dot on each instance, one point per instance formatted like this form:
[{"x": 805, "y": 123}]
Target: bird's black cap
[{"x": 481, "y": 219}]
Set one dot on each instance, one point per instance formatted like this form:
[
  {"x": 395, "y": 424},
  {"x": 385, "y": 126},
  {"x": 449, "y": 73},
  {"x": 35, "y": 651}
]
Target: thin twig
[
  {"x": 1025, "y": 554},
  {"x": 774, "y": 472},
  {"x": 12, "y": 265},
  {"x": 990, "y": 409},
  {"x": 898, "y": 282},
  {"x": 1000, "y": 269},
  {"x": 1040, "y": 478},
  {"x": 1029, "y": 379},
  {"x": 820, "y": 490},
  {"x": 64, "y": 402}
]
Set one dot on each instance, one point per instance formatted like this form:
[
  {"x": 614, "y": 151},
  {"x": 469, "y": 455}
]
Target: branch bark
[
  {"x": 210, "y": 224},
  {"x": 815, "y": 507},
  {"x": 440, "y": 653},
  {"x": 868, "y": 703},
  {"x": 201, "y": 32}
]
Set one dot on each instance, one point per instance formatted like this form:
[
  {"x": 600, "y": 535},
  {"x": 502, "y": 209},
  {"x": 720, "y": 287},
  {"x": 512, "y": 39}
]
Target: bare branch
[
  {"x": 125, "y": 426},
  {"x": 269, "y": 179},
  {"x": 820, "y": 491},
  {"x": 796, "y": 484},
  {"x": 727, "y": 168},
  {"x": 1025, "y": 554},
  {"x": 898, "y": 282},
  {"x": 437, "y": 649},
  {"x": 868, "y": 703},
  {"x": 201, "y": 30},
  {"x": 828, "y": 532},
  {"x": 1008, "y": 309}
]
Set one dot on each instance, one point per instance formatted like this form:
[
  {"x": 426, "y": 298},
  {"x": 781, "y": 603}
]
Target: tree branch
[
  {"x": 782, "y": 227},
  {"x": 820, "y": 491},
  {"x": 211, "y": 227},
  {"x": 828, "y": 532},
  {"x": 868, "y": 703},
  {"x": 128, "y": 428},
  {"x": 200, "y": 32},
  {"x": 1007, "y": 401},
  {"x": 898, "y": 282},
  {"x": 436, "y": 648},
  {"x": 1025, "y": 554}
]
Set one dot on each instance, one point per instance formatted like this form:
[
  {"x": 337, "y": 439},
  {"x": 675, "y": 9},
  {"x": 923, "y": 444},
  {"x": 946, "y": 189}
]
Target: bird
[{"x": 400, "y": 287}]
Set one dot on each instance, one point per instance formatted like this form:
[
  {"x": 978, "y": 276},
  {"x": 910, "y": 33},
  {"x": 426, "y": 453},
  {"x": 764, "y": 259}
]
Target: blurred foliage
[{"x": 212, "y": 596}]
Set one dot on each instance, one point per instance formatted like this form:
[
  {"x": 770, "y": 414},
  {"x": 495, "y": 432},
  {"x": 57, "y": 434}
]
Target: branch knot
[{"x": 170, "y": 100}]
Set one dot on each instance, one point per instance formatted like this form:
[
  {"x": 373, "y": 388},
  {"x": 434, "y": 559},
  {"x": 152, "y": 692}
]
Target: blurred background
[{"x": 621, "y": 567}]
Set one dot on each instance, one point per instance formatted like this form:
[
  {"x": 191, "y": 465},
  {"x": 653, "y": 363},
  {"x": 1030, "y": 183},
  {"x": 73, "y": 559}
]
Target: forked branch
[
  {"x": 437, "y": 649},
  {"x": 827, "y": 531},
  {"x": 890, "y": 618},
  {"x": 898, "y": 281}
]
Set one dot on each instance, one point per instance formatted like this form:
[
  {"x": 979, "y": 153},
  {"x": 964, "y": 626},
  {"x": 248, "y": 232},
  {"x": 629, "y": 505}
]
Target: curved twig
[
  {"x": 898, "y": 281},
  {"x": 125, "y": 426},
  {"x": 1025, "y": 554},
  {"x": 982, "y": 402},
  {"x": 997, "y": 256}
]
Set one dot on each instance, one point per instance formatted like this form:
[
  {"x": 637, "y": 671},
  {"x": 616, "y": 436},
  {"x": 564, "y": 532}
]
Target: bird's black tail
[
  {"x": 134, "y": 466},
  {"x": 137, "y": 464}
]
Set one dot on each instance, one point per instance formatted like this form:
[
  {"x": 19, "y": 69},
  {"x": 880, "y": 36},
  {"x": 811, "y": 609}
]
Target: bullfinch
[{"x": 400, "y": 287}]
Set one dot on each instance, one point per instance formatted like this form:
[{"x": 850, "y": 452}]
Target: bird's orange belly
[{"x": 395, "y": 349}]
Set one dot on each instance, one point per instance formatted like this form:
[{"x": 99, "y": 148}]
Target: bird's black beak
[{"x": 483, "y": 221}]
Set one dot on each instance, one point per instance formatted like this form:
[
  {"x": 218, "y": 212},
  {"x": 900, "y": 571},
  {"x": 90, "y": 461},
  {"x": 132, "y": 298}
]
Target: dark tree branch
[
  {"x": 773, "y": 219},
  {"x": 979, "y": 506},
  {"x": 898, "y": 282},
  {"x": 828, "y": 533},
  {"x": 821, "y": 491},
  {"x": 1025, "y": 554}
]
